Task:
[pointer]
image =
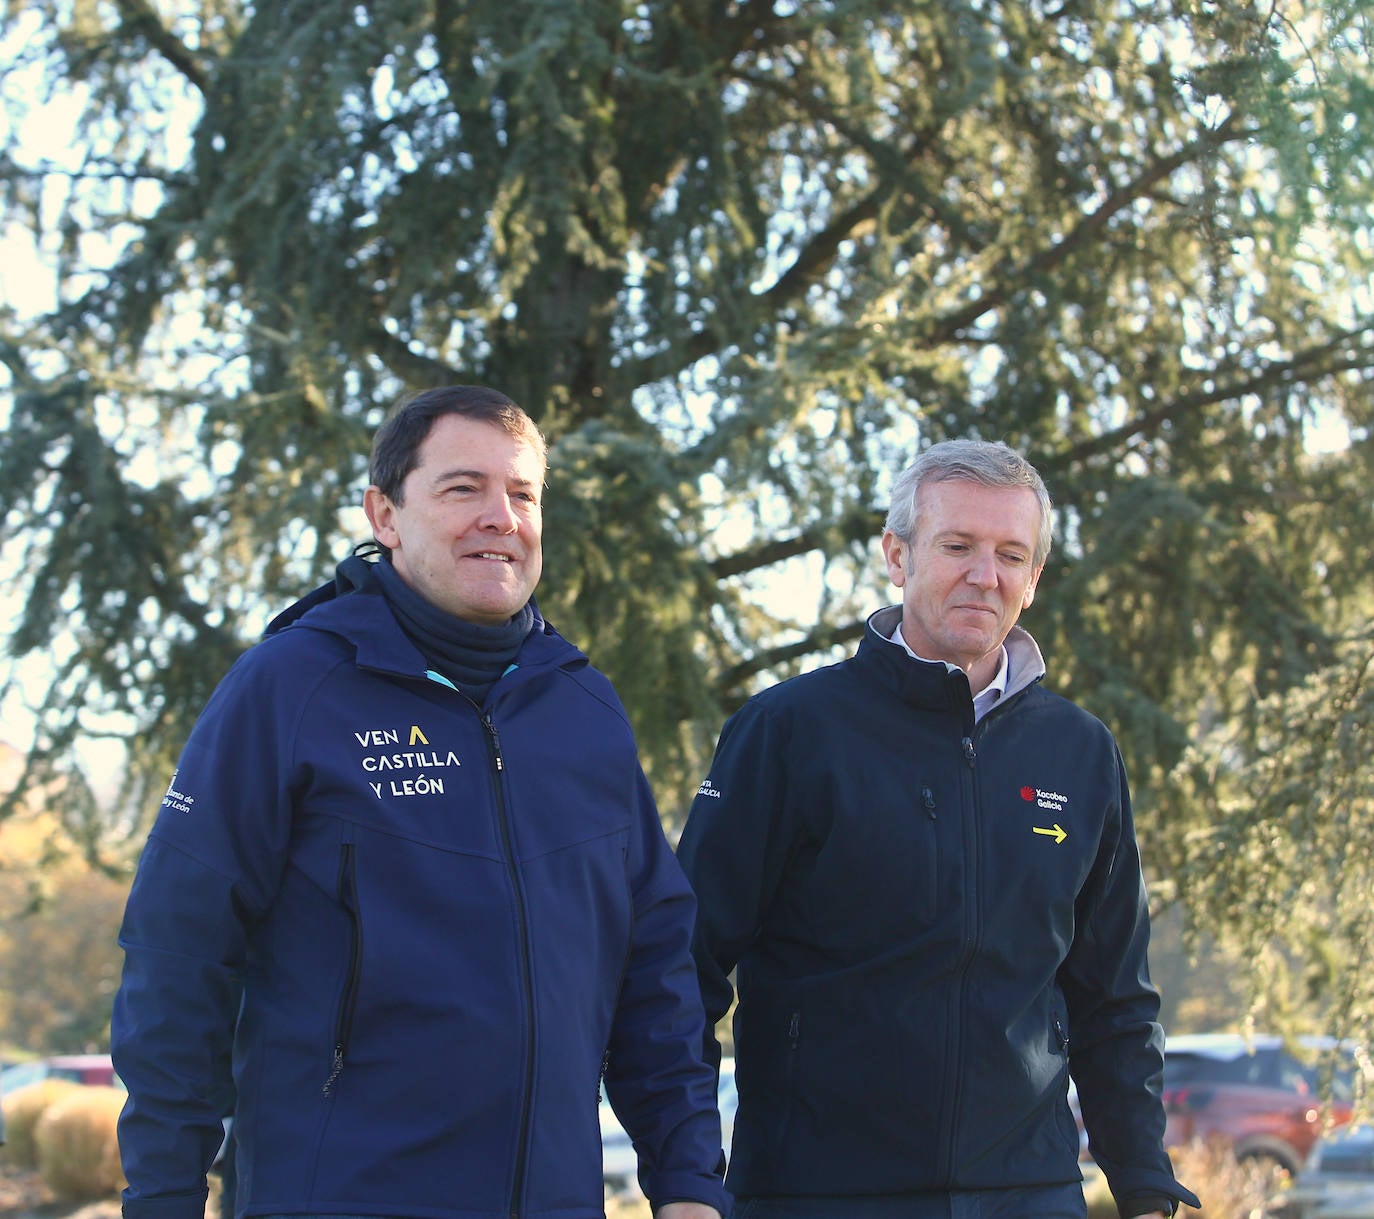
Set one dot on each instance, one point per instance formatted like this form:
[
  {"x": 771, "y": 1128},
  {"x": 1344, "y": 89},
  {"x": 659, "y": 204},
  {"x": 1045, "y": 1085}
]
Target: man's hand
[{"x": 686, "y": 1210}]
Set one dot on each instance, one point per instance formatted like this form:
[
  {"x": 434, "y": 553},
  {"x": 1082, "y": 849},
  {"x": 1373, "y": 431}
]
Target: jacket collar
[
  {"x": 356, "y": 611},
  {"x": 932, "y": 684}
]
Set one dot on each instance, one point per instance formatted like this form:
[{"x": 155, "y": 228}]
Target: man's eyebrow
[
  {"x": 969, "y": 535},
  {"x": 445, "y": 476},
  {"x": 480, "y": 476}
]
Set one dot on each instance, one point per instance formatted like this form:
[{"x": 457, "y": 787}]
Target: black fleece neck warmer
[{"x": 470, "y": 655}]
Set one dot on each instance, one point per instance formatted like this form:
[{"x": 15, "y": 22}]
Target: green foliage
[
  {"x": 1279, "y": 862},
  {"x": 59, "y": 957},
  {"x": 740, "y": 258}
]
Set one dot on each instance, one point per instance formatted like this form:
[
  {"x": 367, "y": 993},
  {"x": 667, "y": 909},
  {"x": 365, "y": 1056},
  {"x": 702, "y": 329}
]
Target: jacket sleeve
[
  {"x": 661, "y": 1089},
  {"x": 1117, "y": 1050},
  {"x": 734, "y": 848},
  {"x": 210, "y": 867}
]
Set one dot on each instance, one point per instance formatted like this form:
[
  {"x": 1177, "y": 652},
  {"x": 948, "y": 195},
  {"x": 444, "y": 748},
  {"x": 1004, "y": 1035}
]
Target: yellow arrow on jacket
[{"x": 1057, "y": 832}]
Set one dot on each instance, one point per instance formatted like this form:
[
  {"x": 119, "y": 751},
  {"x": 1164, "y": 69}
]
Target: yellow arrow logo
[
  {"x": 417, "y": 735},
  {"x": 1056, "y": 831}
]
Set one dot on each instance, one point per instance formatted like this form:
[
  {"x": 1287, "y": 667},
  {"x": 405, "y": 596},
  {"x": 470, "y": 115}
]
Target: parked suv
[{"x": 1267, "y": 1102}]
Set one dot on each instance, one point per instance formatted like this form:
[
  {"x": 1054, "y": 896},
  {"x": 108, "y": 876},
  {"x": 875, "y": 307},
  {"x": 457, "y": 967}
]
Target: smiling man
[
  {"x": 408, "y": 898},
  {"x": 922, "y": 865}
]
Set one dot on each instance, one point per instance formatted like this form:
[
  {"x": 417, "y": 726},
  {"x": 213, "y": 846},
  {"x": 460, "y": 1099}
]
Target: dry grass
[
  {"x": 78, "y": 1143},
  {"x": 1227, "y": 1188},
  {"x": 23, "y": 1109}
]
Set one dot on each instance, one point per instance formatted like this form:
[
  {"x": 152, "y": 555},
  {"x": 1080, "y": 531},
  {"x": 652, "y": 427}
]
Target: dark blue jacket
[
  {"x": 934, "y": 924},
  {"x": 446, "y": 919}
]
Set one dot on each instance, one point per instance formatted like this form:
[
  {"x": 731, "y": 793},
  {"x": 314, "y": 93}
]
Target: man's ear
[
  {"x": 381, "y": 515},
  {"x": 1029, "y": 596},
  {"x": 894, "y": 555}
]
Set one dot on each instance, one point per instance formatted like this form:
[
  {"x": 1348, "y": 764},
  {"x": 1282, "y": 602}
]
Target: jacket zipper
[
  {"x": 343, "y": 1024},
  {"x": 522, "y": 1150},
  {"x": 972, "y": 887}
]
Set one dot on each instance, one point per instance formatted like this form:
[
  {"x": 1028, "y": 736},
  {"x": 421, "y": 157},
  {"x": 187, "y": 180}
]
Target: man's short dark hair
[{"x": 396, "y": 446}]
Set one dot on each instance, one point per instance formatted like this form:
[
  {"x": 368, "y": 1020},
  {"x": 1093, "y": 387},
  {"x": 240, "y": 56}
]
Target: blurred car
[
  {"x": 620, "y": 1164},
  {"x": 1337, "y": 1182},
  {"x": 1269, "y": 1104},
  {"x": 79, "y": 1068}
]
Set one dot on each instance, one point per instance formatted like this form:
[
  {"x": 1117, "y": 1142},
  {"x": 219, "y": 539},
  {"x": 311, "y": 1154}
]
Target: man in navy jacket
[
  {"x": 407, "y": 898},
  {"x": 923, "y": 866}
]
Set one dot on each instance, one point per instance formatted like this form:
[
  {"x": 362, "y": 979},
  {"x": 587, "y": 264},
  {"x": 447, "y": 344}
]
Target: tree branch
[
  {"x": 138, "y": 19},
  {"x": 732, "y": 678},
  {"x": 821, "y": 251},
  {"x": 398, "y": 355},
  {"x": 1307, "y": 365},
  {"x": 1055, "y": 254},
  {"x": 856, "y": 527}
]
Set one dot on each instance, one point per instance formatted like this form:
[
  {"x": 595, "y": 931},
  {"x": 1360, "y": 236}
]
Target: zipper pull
[
  {"x": 969, "y": 755},
  {"x": 335, "y": 1070},
  {"x": 495, "y": 742},
  {"x": 928, "y": 799},
  {"x": 794, "y": 1028}
]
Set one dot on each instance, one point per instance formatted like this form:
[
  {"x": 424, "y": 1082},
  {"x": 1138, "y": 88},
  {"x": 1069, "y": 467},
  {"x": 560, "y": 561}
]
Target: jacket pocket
[
  {"x": 347, "y": 894},
  {"x": 928, "y": 897}
]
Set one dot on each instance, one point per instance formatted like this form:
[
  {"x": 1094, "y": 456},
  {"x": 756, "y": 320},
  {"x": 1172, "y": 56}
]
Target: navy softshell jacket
[{"x": 443, "y": 920}]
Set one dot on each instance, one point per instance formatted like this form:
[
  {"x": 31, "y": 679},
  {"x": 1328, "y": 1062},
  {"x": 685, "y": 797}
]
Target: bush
[
  {"x": 78, "y": 1144},
  {"x": 23, "y": 1109},
  {"x": 1228, "y": 1188}
]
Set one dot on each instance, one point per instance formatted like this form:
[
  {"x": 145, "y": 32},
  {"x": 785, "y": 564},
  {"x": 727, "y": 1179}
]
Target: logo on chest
[
  {"x": 403, "y": 766},
  {"x": 1048, "y": 802}
]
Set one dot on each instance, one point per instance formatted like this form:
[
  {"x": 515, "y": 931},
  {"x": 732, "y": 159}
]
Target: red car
[{"x": 1255, "y": 1094}]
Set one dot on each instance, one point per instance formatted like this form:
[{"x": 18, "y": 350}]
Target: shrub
[
  {"x": 78, "y": 1144},
  {"x": 1228, "y": 1188},
  {"x": 23, "y": 1108}
]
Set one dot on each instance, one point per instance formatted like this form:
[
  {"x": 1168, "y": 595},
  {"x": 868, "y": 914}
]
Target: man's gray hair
[{"x": 989, "y": 462}]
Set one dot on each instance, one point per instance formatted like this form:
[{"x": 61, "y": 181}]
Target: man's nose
[
  {"x": 498, "y": 513},
  {"x": 982, "y": 571}
]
